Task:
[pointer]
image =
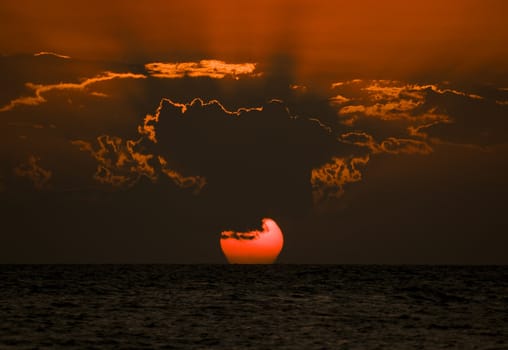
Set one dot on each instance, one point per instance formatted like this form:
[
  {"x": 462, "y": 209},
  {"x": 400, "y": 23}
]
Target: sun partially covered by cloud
[
  {"x": 215, "y": 69},
  {"x": 187, "y": 115}
]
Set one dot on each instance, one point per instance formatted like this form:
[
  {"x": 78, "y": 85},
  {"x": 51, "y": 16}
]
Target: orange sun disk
[{"x": 254, "y": 247}]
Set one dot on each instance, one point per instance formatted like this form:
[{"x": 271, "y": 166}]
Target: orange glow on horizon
[{"x": 254, "y": 247}]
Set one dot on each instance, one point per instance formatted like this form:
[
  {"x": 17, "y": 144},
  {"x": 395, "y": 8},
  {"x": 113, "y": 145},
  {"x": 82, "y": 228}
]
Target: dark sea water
[{"x": 253, "y": 307}]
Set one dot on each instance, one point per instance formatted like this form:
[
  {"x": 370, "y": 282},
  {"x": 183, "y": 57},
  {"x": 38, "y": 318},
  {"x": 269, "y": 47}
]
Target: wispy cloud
[
  {"x": 391, "y": 145},
  {"x": 390, "y": 100},
  {"x": 40, "y": 90},
  {"x": 339, "y": 99},
  {"x": 342, "y": 83},
  {"x": 384, "y": 88},
  {"x": 215, "y": 69},
  {"x": 393, "y": 88},
  {"x": 31, "y": 169},
  {"x": 298, "y": 87},
  {"x": 119, "y": 164},
  {"x": 196, "y": 182},
  {"x": 329, "y": 179},
  {"x": 405, "y": 105},
  {"x": 48, "y": 53}
]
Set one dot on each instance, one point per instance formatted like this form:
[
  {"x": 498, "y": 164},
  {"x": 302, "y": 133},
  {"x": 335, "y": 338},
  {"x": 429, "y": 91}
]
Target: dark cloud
[
  {"x": 18, "y": 70},
  {"x": 119, "y": 164},
  {"x": 473, "y": 121},
  {"x": 257, "y": 161},
  {"x": 240, "y": 235},
  {"x": 41, "y": 90},
  {"x": 391, "y": 145},
  {"x": 328, "y": 180},
  {"x": 39, "y": 176},
  {"x": 106, "y": 155}
]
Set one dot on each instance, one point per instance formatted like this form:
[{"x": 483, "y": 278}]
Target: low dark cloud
[
  {"x": 249, "y": 236},
  {"x": 480, "y": 122},
  {"x": 256, "y": 161},
  {"x": 31, "y": 170}
]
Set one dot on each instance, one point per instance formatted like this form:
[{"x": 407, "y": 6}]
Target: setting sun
[{"x": 254, "y": 247}]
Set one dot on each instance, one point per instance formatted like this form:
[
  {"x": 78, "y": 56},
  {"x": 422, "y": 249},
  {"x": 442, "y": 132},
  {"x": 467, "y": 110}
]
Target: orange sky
[
  {"x": 389, "y": 37},
  {"x": 151, "y": 126}
]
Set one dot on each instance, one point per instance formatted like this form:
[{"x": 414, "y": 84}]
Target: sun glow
[{"x": 254, "y": 247}]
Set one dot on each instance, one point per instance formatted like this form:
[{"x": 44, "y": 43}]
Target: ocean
[{"x": 253, "y": 307}]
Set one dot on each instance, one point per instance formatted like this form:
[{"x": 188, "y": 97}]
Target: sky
[{"x": 137, "y": 132}]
